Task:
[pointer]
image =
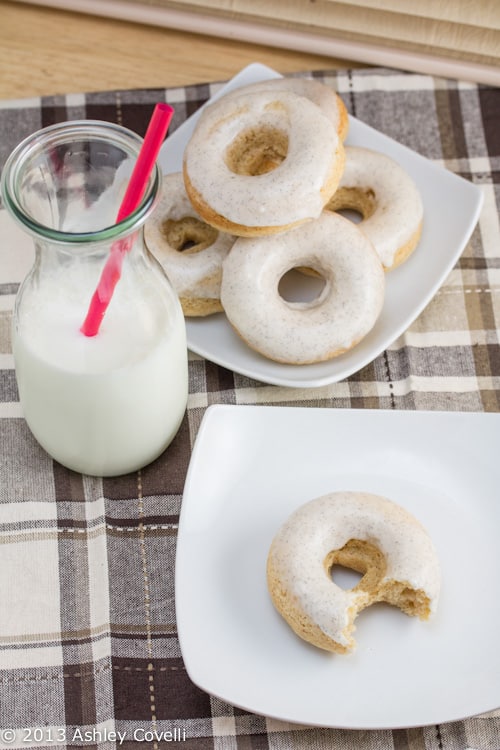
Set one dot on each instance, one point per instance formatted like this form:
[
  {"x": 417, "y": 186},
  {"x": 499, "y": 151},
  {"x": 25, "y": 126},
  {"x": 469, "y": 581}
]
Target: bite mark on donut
[{"x": 366, "y": 558}]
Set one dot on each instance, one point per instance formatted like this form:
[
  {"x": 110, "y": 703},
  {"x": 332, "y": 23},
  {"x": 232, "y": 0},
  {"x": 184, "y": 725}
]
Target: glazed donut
[
  {"x": 252, "y": 167},
  {"x": 304, "y": 332},
  {"x": 387, "y": 199},
  {"x": 190, "y": 251},
  {"x": 319, "y": 93},
  {"x": 361, "y": 531}
]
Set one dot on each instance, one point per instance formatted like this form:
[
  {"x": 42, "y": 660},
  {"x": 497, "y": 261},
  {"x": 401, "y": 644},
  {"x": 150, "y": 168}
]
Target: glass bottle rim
[{"x": 59, "y": 133}]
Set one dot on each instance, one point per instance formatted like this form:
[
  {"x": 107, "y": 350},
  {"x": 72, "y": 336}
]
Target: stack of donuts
[{"x": 265, "y": 176}]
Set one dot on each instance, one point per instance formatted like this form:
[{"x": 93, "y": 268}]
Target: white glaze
[
  {"x": 399, "y": 210},
  {"x": 327, "y": 523},
  {"x": 194, "y": 275},
  {"x": 283, "y": 196},
  {"x": 318, "y": 93},
  {"x": 299, "y": 332}
]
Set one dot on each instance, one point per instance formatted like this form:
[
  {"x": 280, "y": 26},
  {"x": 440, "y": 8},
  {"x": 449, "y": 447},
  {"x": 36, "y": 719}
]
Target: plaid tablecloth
[{"x": 89, "y": 655}]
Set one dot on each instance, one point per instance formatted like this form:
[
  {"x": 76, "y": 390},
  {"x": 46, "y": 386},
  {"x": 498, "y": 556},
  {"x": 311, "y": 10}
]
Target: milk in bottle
[{"x": 110, "y": 403}]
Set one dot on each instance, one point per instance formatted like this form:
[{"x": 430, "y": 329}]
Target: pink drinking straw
[{"x": 156, "y": 132}]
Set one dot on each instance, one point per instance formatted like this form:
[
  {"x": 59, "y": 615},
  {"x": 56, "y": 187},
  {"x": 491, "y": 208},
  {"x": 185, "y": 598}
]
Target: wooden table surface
[{"x": 47, "y": 51}]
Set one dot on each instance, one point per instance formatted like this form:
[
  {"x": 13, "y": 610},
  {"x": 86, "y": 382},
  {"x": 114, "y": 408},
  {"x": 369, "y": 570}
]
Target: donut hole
[
  {"x": 352, "y": 215},
  {"x": 362, "y": 557},
  {"x": 345, "y": 578},
  {"x": 257, "y": 150},
  {"x": 188, "y": 235},
  {"x": 355, "y": 204},
  {"x": 302, "y": 286}
]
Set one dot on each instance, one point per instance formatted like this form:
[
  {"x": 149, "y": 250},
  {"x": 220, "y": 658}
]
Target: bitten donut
[
  {"x": 190, "y": 250},
  {"x": 361, "y": 531},
  {"x": 319, "y": 93},
  {"x": 388, "y": 200},
  {"x": 261, "y": 163},
  {"x": 304, "y": 332}
]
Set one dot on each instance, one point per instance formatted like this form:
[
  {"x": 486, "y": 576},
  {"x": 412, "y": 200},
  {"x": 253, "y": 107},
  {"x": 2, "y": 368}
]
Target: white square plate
[
  {"x": 251, "y": 467},
  {"x": 451, "y": 211}
]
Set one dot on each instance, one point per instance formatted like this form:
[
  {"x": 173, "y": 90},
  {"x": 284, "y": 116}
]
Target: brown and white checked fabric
[{"x": 88, "y": 641}]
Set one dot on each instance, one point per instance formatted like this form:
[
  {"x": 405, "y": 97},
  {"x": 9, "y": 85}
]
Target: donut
[
  {"x": 388, "y": 200},
  {"x": 319, "y": 93},
  {"x": 304, "y": 332},
  {"x": 190, "y": 251},
  {"x": 261, "y": 163},
  {"x": 365, "y": 532}
]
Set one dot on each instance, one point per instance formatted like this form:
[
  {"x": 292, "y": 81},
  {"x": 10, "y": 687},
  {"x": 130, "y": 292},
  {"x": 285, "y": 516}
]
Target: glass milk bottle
[{"x": 111, "y": 403}]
